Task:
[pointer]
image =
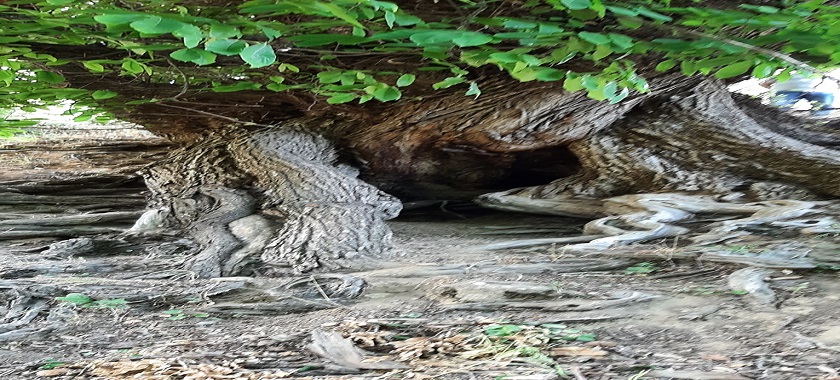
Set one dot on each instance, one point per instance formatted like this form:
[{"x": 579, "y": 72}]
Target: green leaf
[
  {"x": 448, "y": 37},
  {"x": 272, "y": 34},
  {"x": 407, "y": 20},
  {"x": 200, "y": 57},
  {"x": 577, "y": 4},
  {"x": 342, "y": 98},
  {"x": 339, "y": 13},
  {"x": 59, "y": 2},
  {"x": 620, "y": 96},
  {"x": 288, "y": 66},
  {"x": 156, "y": 25},
  {"x": 259, "y": 55},
  {"x": 432, "y": 37},
  {"x": 277, "y": 87},
  {"x": 501, "y": 330},
  {"x": 225, "y": 47},
  {"x": 665, "y": 65},
  {"x": 622, "y": 41},
  {"x": 76, "y": 299},
  {"x": 595, "y": 38},
  {"x": 602, "y": 52},
  {"x": 48, "y": 77},
  {"x": 547, "y": 74},
  {"x": 117, "y": 19},
  {"x": 466, "y": 39},
  {"x": 191, "y": 34},
  {"x": 573, "y": 84},
  {"x": 405, "y": 80},
  {"x": 763, "y": 70},
  {"x": 448, "y": 82},
  {"x": 622, "y": 11},
  {"x": 222, "y": 31},
  {"x": 103, "y": 94},
  {"x": 239, "y": 86},
  {"x": 331, "y": 76},
  {"x": 734, "y": 70},
  {"x": 653, "y": 15},
  {"x": 473, "y": 90},
  {"x": 386, "y": 94},
  {"x": 390, "y": 17},
  {"x": 761, "y": 8},
  {"x": 93, "y": 67},
  {"x": 687, "y": 68},
  {"x": 110, "y": 303}
]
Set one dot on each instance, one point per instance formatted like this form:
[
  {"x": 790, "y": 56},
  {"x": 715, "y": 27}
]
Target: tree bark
[{"x": 287, "y": 180}]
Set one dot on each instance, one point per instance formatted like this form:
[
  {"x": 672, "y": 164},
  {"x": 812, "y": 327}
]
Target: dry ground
[{"x": 445, "y": 310}]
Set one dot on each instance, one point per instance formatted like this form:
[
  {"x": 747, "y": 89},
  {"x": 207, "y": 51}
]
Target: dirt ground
[
  {"x": 445, "y": 310},
  {"x": 442, "y": 306}
]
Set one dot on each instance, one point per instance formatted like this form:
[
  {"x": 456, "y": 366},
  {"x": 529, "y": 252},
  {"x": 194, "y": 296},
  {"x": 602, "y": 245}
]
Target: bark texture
[{"x": 310, "y": 211}]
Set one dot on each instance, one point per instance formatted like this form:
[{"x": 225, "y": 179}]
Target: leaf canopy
[{"x": 50, "y": 50}]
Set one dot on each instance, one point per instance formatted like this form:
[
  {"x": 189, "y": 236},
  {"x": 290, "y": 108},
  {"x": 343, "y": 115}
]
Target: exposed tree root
[{"x": 646, "y": 217}]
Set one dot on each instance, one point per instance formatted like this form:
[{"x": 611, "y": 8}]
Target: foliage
[
  {"x": 52, "y": 51},
  {"x": 51, "y": 363},
  {"x": 641, "y": 268},
  {"x": 86, "y": 301},
  {"x": 177, "y": 315}
]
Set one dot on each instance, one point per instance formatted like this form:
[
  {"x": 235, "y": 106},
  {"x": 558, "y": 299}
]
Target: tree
[{"x": 279, "y": 103}]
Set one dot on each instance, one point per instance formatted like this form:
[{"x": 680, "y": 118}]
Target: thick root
[{"x": 645, "y": 217}]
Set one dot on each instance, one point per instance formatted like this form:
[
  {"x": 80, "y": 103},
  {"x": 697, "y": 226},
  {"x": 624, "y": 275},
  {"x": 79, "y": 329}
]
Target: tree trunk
[
  {"x": 282, "y": 199},
  {"x": 278, "y": 198}
]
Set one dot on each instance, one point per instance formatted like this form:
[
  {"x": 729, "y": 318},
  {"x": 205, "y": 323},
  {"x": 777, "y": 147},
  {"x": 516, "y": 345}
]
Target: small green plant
[
  {"x": 739, "y": 292},
  {"x": 177, "y": 315},
  {"x": 86, "y": 301},
  {"x": 800, "y": 288},
  {"x": 568, "y": 334},
  {"x": 502, "y": 330},
  {"x": 51, "y": 363},
  {"x": 642, "y": 268}
]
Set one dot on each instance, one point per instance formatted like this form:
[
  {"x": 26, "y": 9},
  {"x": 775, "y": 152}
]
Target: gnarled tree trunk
[
  {"x": 282, "y": 198},
  {"x": 277, "y": 197}
]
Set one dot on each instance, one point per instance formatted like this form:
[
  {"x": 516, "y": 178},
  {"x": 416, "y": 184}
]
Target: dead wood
[
  {"x": 69, "y": 220},
  {"x": 334, "y": 347},
  {"x": 67, "y": 232},
  {"x": 556, "y": 306},
  {"x": 566, "y": 265},
  {"x": 109, "y": 198},
  {"x": 694, "y": 375}
]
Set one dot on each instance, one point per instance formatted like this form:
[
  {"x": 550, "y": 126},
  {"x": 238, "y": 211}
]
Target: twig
[
  {"x": 186, "y": 85},
  {"x": 231, "y": 119},
  {"x": 320, "y": 289},
  {"x": 578, "y": 375}
]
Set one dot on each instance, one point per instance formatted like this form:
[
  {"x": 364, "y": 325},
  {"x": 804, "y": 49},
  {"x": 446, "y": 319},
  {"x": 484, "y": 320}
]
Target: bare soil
[{"x": 483, "y": 319}]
